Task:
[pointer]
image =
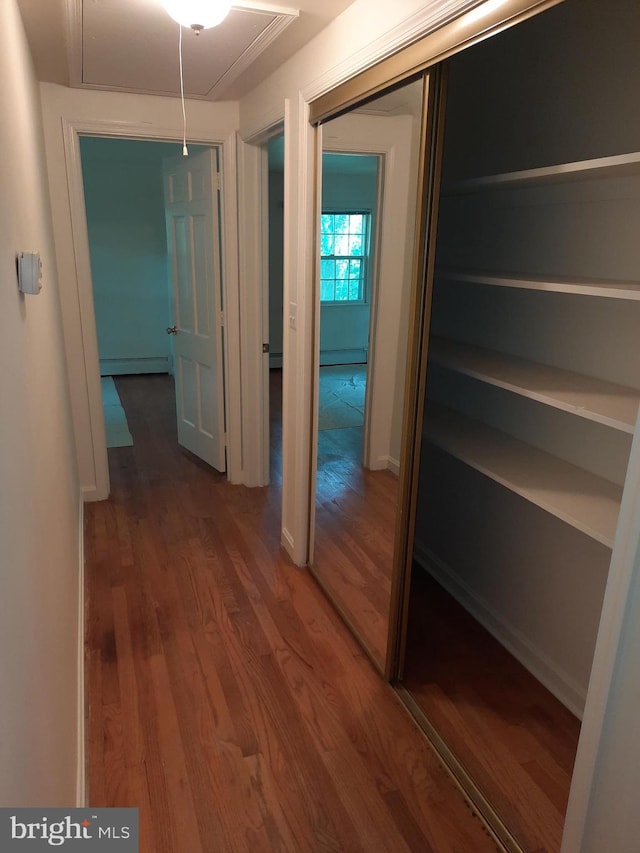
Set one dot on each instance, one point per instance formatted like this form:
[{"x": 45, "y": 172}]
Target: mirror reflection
[{"x": 369, "y": 179}]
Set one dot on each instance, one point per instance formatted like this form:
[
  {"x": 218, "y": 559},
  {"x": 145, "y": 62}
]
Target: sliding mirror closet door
[
  {"x": 533, "y": 385},
  {"x": 366, "y": 244}
]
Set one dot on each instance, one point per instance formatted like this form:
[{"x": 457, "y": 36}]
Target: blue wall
[{"x": 127, "y": 241}]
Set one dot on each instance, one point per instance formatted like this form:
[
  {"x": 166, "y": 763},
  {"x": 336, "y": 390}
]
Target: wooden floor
[
  {"x": 226, "y": 699},
  {"x": 514, "y": 738},
  {"x": 355, "y": 525}
]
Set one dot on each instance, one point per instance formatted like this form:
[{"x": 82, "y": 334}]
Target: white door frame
[
  {"x": 253, "y": 181},
  {"x": 395, "y": 155},
  {"x": 72, "y": 131}
]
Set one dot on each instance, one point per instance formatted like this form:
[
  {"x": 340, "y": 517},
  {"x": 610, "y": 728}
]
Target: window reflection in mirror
[{"x": 366, "y": 240}]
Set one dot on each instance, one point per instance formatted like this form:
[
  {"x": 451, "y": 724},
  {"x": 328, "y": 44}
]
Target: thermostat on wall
[{"x": 29, "y": 272}]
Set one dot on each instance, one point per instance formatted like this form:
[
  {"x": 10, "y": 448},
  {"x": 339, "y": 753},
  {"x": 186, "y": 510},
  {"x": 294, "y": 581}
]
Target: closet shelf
[
  {"x": 604, "y": 402},
  {"x": 618, "y": 166},
  {"x": 554, "y": 284},
  {"x": 579, "y": 498}
]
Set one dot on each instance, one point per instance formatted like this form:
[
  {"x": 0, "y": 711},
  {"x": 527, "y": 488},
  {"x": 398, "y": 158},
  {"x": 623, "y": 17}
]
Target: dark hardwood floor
[
  {"x": 511, "y": 734},
  {"x": 226, "y": 700}
]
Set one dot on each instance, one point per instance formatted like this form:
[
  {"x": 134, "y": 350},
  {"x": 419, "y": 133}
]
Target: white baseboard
[
  {"x": 121, "y": 366},
  {"x": 81, "y": 783},
  {"x": 287, "y": 541},
  {"x": 558, "y": 682},
  {"x": 343, "y": 356},
  {"x": 393, "y": 465},
  {"x": 91, "y": 494},
  {"x": 386, "y": 463}
]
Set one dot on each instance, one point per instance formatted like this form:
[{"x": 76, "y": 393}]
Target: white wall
[
  {"x": 123, "y": 191},
  {"x": 39, "y": 501},
  {"x": 111, "y": 114}
]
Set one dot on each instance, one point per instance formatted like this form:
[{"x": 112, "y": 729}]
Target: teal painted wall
[{"x": 127, "y": 241}]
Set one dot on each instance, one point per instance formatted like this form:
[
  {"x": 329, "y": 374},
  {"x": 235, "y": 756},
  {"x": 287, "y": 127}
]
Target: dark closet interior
[{"x": 533, "y": 384}]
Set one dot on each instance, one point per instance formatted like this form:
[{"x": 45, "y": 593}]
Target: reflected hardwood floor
[
  {"x": 355, "y": 525},
  {"x": 512, "y": 735},
  {"x": 226, "y": 700}
]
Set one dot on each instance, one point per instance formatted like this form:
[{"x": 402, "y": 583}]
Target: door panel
[{"x": 193, "y": 237}]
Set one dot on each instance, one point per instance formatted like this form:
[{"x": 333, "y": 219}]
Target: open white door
[{"x": 191, "y": 188}]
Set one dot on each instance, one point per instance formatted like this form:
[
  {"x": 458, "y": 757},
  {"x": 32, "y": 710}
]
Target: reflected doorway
[{"x": 365, "y": 247}]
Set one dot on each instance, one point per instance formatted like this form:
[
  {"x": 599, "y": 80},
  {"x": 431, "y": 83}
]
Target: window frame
[{"x": 365, "y": 278}]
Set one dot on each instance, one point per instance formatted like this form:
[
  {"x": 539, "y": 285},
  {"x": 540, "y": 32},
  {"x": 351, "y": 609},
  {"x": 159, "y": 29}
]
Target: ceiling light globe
[{"x": 198, "y": 14}]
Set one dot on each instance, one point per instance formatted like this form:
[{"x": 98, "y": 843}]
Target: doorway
[
  {"x": 154, "y": 244},
  {"x": 274, "y": 304}
]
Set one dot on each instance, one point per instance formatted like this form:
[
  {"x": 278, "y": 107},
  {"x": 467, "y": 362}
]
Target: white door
[{"x": 191, "y": 190}]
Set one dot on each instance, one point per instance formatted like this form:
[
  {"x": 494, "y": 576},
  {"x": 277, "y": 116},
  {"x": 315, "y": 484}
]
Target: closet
[{"x": 533, "y": 387}]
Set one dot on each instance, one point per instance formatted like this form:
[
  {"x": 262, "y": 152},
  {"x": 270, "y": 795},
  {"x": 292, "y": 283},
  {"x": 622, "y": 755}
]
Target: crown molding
[
  {"x": 422, "y": 22},
  {"x": 258, "y": 46}
]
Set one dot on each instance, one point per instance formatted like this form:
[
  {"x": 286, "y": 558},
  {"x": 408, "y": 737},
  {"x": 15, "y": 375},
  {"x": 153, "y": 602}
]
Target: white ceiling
[{"x": 132, "y": 45}]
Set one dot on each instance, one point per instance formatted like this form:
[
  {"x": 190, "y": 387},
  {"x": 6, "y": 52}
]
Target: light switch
[{"x": 29, "y": 272}]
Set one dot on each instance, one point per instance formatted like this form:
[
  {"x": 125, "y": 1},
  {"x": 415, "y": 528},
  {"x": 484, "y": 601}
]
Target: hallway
[{"x": 226, "y": 699}]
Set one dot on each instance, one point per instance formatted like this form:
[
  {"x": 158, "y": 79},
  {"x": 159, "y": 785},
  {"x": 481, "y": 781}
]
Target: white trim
[
  {"x": 232, "y": 308},
  {"x": 71, "y": 131},
  {"x": 253, "y": 227},
  {"x": 624, "y": 570},
  {"x": 73, "y": 32},
  {"x": 256, "y": 6},
  {"x": 255, "y": 49},
  {"x": 422, "y": 22},
  {"x": 122, "y": 366},
  {"x": 287, "y": 540},
  {"x": 357, "y": 355},
  {"x": 81, "y": 781},
  {"x": 548, "y": 673},
  {"x": 90, "y": 494},
  {"x": 80, "y": 237},
  {"x": 269, "y": 124},
  {"x": 393, "y": 465}
]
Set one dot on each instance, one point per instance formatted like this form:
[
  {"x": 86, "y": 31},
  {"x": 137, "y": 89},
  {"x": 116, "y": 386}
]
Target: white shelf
[
  {"x": 586, "y": 502},
  {"x": 557, "y": 284},
  {"x": 612, "y": 405},
  {"x": 617, "y": 166}
]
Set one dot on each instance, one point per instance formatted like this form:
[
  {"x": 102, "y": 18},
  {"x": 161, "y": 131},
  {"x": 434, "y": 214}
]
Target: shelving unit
[
  {"x": 556, "y": 284},
  {"x": 613, "y": 405},
  {"x": 589, "y": 503},
  {"x": 564, "y": 452},
  {"x": 618, "y": 166}
]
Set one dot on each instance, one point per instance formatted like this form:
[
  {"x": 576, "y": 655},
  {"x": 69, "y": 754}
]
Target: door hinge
[
  {"x": 217, "y": 183},
  {"x": 225, "y": 440},
  {"x": 222, "y": 318},
  {"x": 265, "y": 347}
]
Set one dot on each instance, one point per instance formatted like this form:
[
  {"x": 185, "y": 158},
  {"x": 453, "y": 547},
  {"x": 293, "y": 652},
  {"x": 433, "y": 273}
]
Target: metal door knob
[{"x": 171, "y": 330}]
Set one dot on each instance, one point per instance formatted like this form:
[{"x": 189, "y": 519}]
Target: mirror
[{"x": 366, "y": 245}]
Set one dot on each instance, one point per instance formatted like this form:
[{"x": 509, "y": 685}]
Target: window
[{"x": 344, "y": 248}]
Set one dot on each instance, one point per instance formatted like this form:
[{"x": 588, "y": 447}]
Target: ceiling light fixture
[{"x": 198, "y": 14}]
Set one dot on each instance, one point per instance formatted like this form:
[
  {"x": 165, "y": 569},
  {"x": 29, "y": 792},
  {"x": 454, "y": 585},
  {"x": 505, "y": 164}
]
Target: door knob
[{"x": 171, "y": 330}]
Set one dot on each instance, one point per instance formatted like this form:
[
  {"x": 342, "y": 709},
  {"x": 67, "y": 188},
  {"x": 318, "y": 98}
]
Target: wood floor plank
[
  {"x": 514, "y": 738},
  {"x": 226, "y": 698}
]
